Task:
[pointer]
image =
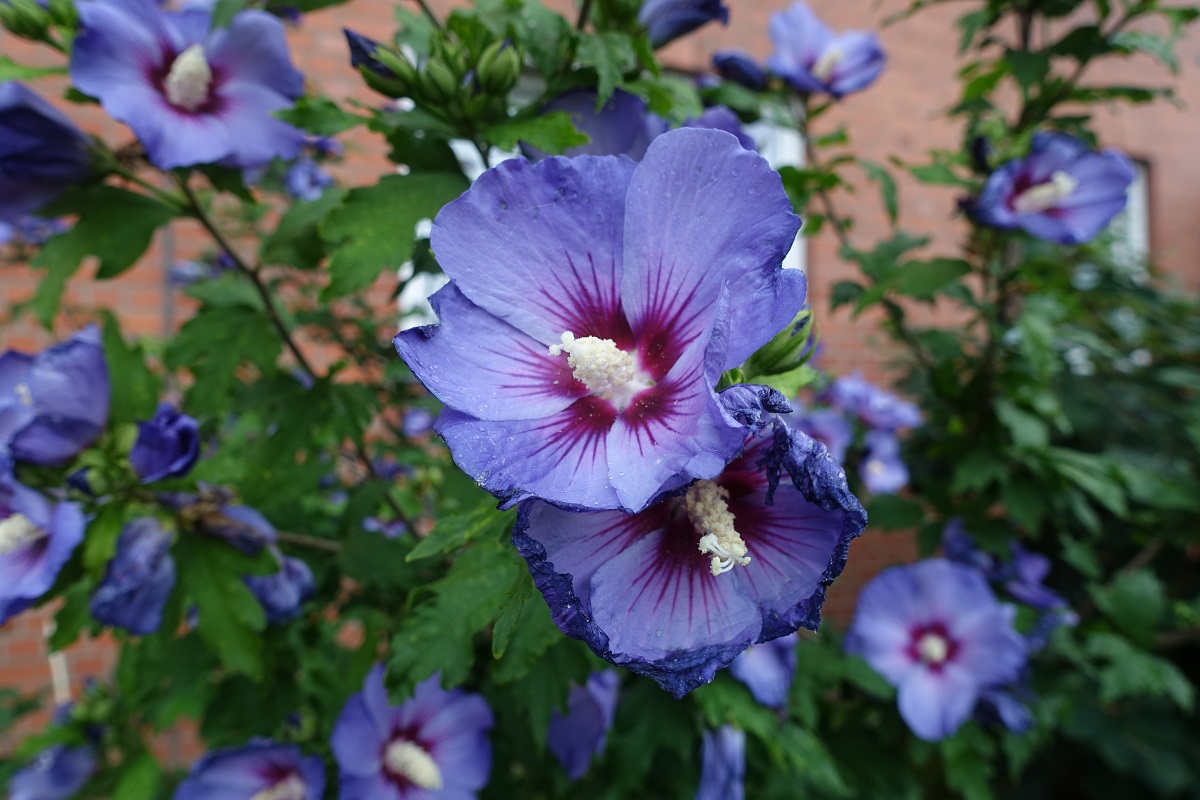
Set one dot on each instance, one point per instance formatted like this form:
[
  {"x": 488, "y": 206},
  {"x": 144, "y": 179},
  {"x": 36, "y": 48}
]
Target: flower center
[
  {"x": 710, "y": 514},
  {"x": 933, "y": 649},
  {"x": 24, "y": 396},
  {"x": 409, "y": 760},
  {"x": 825, "y": 65},
  {"x": 292, "y": 788},
  {"x": 189, "y": 80},
  {"x": 1045, "y": 195},
  {"x": 605, "y": 369},
  {"x": 18, "y": 531}
]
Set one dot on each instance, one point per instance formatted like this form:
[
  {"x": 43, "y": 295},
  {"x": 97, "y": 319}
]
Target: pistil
[
  {"x": 410, "y": 761},
  {"x": 18, "y": 531},
  {"x": 1046, "y": 195},
  {"x": 710, "y": 514},
  {"x": 824, "y": 66},
  {"x": 292, "y": 788},
  {"x": 933, "y": 649},
  {"x": 189, "y": 80},
  {"x": 605, "y": 369}
]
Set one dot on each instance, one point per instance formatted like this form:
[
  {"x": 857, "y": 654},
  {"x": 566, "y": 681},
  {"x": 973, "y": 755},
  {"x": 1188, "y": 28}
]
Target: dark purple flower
[
  {"x": 193, "y": 93},
  {"x": 1000, "y": 706},
  {"x": 722, "y": 765},
  {"x": 935, "y": 631},
  {"x": 882, "y": 471},
  {"x": 767, "y": 670},
  {"x": 306, "y": 180},
  {"x": 667, "y": 20},
  {"x": 1062, "y": 192},
  {"x": 1024, "y": 577},
  {"x": 828, "y": 426},
  {"x": 139, "y": 579},
  {"x": 55, "y": 403},
  {"x": 167, "y": 446},
  {"x": 736, "y": 66},
  {"x": 417, "y": 422},
  {"x": 677, "y": 591},
  {"x": 589, "y": 317},
  {"x": 389, "y": 530},
  {"x": 362, "y": 53},
  {"x": 57, "y": 773},
  {"x": 815, "y": 60},
  {"x": 42, "y": 153},
  {"x": 260, "y": 770},
  {"x": 326, "y": 147},
  {"x": 431, "y": 747},
  {"x": 720, "y": 118},
  {"x": 282, "y": 593},
  {"x": 577, "y": 737},
  {"x": 36, "y": 539}
]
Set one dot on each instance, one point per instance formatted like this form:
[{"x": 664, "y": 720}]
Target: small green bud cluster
[{"x": 26, "y": 19}]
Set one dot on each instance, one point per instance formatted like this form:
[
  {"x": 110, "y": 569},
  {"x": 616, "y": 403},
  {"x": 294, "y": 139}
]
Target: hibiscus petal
[
  {"x": 935, "y": 704},
  {"x": 118, "y": 45},
  {"x": 245, "y": 108},
  {"x": 254, "y": 48}
]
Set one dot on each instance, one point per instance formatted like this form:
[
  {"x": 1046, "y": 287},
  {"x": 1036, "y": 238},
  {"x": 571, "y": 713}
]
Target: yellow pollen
[
  {"x": 188, "y": 82},
  {"x": 933, "y": 649},
  {"x": 824, "y": 66},
  {"x": 18, "y": 531},
  {"x": 409, "y": 760},
  {"x": 605, "y": 369},
  {"x": 294, "y": 788},
  {"x": 1045, "y": 195},
  {"x": 710, "y": 514},
  {"x": 24, "y": 396}
]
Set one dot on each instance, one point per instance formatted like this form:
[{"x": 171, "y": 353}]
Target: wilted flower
[
  {"x": 578, "y": 736},
  {"x": 1063, "y": 191},
  {"x": 42, "y": 153},
  {"x": 261, "y": 770},
  {"x": 139, "y": 579},
  {"x": 935, "y": 631},
  {"x": 306, "y": 180},
  {"x": 36, "y": 539},
  {"x": 432, "y": 747},
  {"x": 882, "y": 470},
  {"x": 56, "y": 773},
  {"x": 813, "y": 59},
  {"x": 722, "y": 765},
  {"x": 167, "y": 445},
  {"x": 736, "y": 66},
  {"x": 767, "y": 670},
  {"x": 55, "y": 403},
  {"x": 577, "y": 358},
  {"x": 282, "y": 593},
  {"x": 667, "y": 20},
  {"x": 193, "y": 93},
  {"x": 677, "y": 591}
]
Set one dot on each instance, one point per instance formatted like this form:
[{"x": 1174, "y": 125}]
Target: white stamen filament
[
  {"x": 710, "y": 514},
  {"x": 933, "y": 649},
  {"x": 293, "y": 788},
  {"x": 189, "y": 80},
  {"x": 409, "y": 760},
  {"x": 17, "y": 531},
  {"x": 1045, "y": 195},
  {"x": 605, "y": 369},
  {"x": 824, "y": 65}
]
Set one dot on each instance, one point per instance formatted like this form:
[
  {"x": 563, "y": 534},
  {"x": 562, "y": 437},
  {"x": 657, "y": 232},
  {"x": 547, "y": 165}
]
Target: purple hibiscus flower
[
  {"x": 883, "y": 471},
  {"x": 736, "y": 66},
  {"x": 36, "y": 539},
  {"x": 193, "y": 93},
  {"x": 828, "y": 426},
  {"x": 306, "y": 180},
  {"x": 31, "y": 231},
  {"x": 877, "y": 408},
  {"x": 1021, "y": 576},
  {"x": 579, "y": 735},
  {"x": 260, "y": 769},
  {"x": 1062, "y": 192},
  {"x": 431, "y": 747},
  {"x": 55, "y": 403},
  {"x": 767, "y": 670},
  {"x": 57, "y": 773},
  {"x": 138, "y": 580},
  {"x": 722, "y": 765},
  {"x": 167, "y": 446},
  {"x": 677, "y": 591},
  {"x": 282, "y": 593},
  {"x": 589, "y": 317},
  {"x": 936, "y": 632},
  {"x": 815, "y": 60},
  {"x": 42, "y": 153},
  {"x": 667, "y": 20}
]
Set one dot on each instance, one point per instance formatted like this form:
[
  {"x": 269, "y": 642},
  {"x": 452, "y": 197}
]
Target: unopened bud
[
  {"x": 789, "y": 348},
  {"x": 499, "y": 68},
  {"x": 26, "y": 19},
  {"x": 438, "y": 82}
]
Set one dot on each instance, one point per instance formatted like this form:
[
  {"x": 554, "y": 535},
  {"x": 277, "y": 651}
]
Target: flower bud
[
  {"x": 498, "y": 68},
  {"x": 786, "y": 351},
  {"x": 438, "y": 83},
  {"x": 25, "y": 18}
]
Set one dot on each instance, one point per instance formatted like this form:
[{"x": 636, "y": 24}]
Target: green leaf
[
  {"x": 12, "y": 71},
  {"x": 134, "y": 396},
  {"x": 319, "y": 116},
  {"x": 1134, "y": 673},
  {"x": 225, "y": 10},
  {"x": 296, "y": 240},
  {"x": 455, "y": 530},
  {"x": 1029, "y": 69},
  {"x": 213, "y": 344},
  {"x": 510, "y": 613},
  {"x": 1136, "y": 602},
  {"x": 938, "y": 175},
  {"x": 551, "y": 133},
  {"x": 75, "y": 613},
  {"x": 1027, "y": 429},
  {"x": 1094, "y": 474},
  {"x": 792, "y": 381},
  {"x": 612, "y": 54},
  {"x": 887, "y": 187},
  {"x": 968, "y": 759},
  {"x": 100, "y": 544},
  {"x": 1140, "y": 42},
  {"x": 375, "y": 560},
  {"x": 891, "y": 512},
  {"x": 140, "y": 779},
  {"x": 532, "y": 635},
  {"x": 374, "y": 228},
  {"x": 922, "y": 279}
]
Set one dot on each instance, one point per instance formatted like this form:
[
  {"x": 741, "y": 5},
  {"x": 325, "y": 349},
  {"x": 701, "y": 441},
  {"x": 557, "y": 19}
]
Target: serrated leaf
[
  {"x": 1134, "y": 673},
  {"x": 372, "y": 559},
  {"x": 612, "y": 54},
  {"x": 887, "y": 187},
  {"x": 213, "y": 344},
  {"x": 510, "y": 613},
  {"x": 319, "y": 116},
  {"x": 922, "y": 279},
  {"x": 75, "y": 613},
  {"x": 532, "y": 635},
  {"x": 1136, "y": 601},
  {"x": 100, "y": 543},
  {"x": 135, "y": 393},
  {"x": 891, "y": 512},
  {"x": 140, "y": 779},
  {"x": 551, "y": 133},
  {"x": 455, "y": 530}
]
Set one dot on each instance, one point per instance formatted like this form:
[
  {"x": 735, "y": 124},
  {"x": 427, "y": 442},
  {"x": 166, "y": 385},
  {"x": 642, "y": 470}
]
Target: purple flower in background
[
  {"x": 431, "y": 747},
  {"x": 167, "y": 446},
  {"x": 325, "y": 147},
  {"x": 55, "y": 403},
  {"x": 677, "y": 591},
  {"x": 828, "y": 426},
  {"x": 882, "y": 471},
  {"x": 282, "y": 593},
  {"x": 813, "y": 59},
  {"x": 417, "y": 422},
  {"x": 36, "y": 539},
  {"x": 1001, "y": 706},
  {"x": 258, "y": 770},
  {"x": 362, "y": 53},
  {"x": 589, "y": 317},
  {"x": 306, "y": 180},
  {"x": 42, "y": 153},
  {"x": 57, "y": 773},
  {"x": 767, "y": 670},
  {"x": 389, "y": 530},
  {"x": 193, "y": 93},
  {"x": 935, "y": 631},
  {"x": 1021, "y": 575},
  {"x": 138, "y": 580},
  {"x": 722, "y": 765},
  {"x": 876, "y": 407},
  {"x": 736, "y": 66},
  {"x": 185, "y": 273},
  {"x": 720, "y": 118},
  {"x": 31, "y": 231},
  {"x": 244, "y": 528},
  {"x": 667, "y": 20},
  {"x": 578, "y": 736},
  {"x": 1062, "y": 192}
]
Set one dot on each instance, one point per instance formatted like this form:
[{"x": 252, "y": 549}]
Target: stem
[
  {"x": 429, "y": 14},
  {"x": 311, "y": 542},
  {"x": 585, "y": 11}
]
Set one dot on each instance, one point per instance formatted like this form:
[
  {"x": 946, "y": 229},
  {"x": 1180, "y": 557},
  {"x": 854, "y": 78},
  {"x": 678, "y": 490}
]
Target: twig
[
  {"x": 429, "y": 14},
  {"x": 1166, "y": 641},
  {"x": 585, "y": 11},
  {"x": 311, "y": 542}
]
